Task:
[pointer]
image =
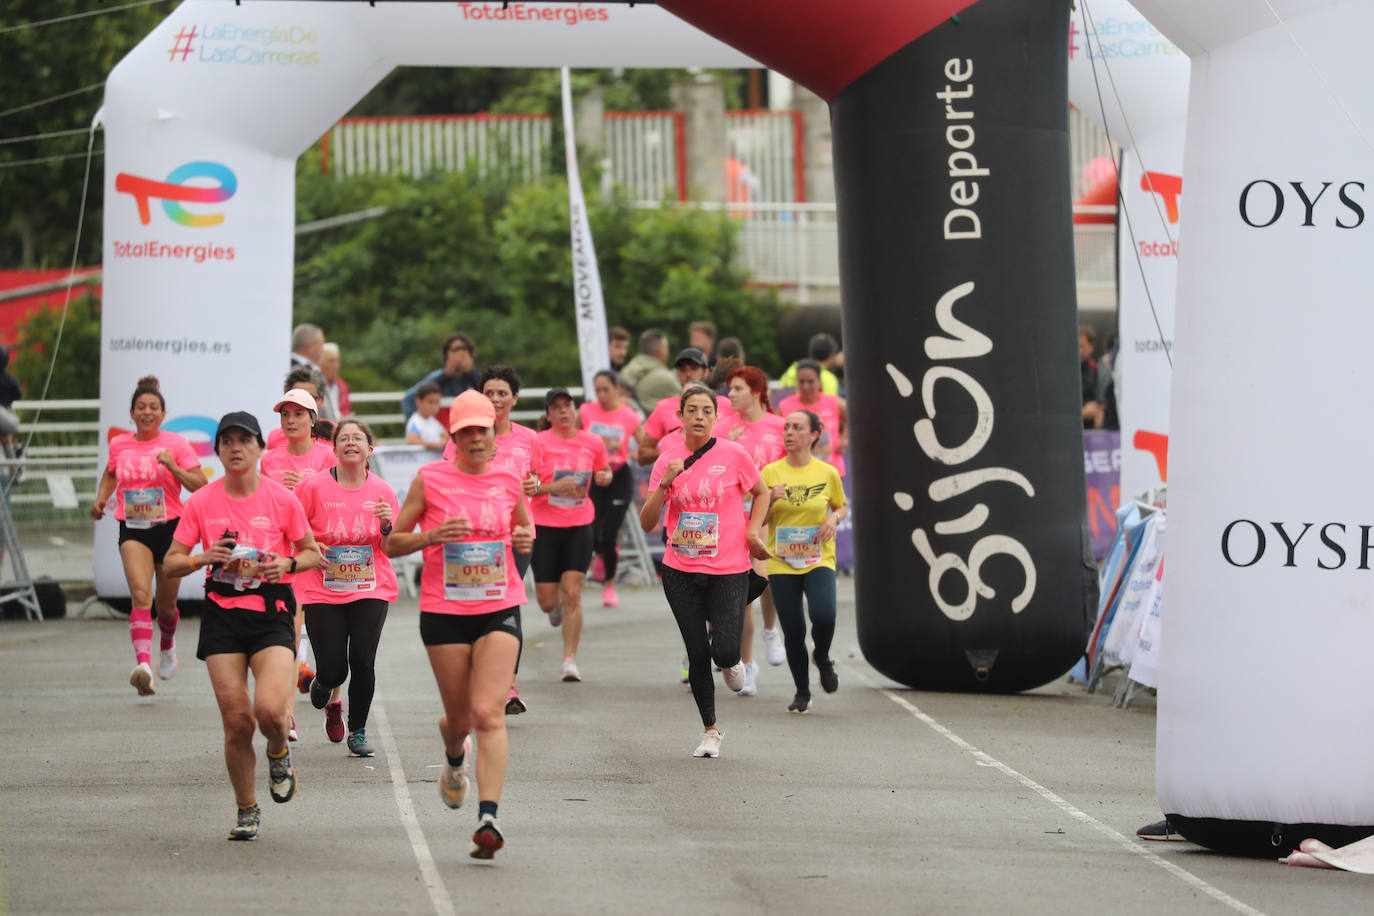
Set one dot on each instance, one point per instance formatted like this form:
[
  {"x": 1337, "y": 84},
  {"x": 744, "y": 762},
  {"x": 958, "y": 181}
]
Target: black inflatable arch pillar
[{"x": 950, "y": 133}]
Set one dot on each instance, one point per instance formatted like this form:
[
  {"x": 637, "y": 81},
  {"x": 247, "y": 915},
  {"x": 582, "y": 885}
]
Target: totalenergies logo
[{"x": 175, "y": 191}]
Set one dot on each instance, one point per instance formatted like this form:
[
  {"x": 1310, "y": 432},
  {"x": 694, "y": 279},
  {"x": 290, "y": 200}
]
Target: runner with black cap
[
  {"x": 567, "y": 461},
  {"x": 706, "y": 571},
  {"x": 254, "y": 533}
]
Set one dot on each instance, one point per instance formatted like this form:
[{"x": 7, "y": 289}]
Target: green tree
[
  {"x": 38, "y": 221},
  {"x": 457, "y": 253},
  {"x": 76, "y": 373}
]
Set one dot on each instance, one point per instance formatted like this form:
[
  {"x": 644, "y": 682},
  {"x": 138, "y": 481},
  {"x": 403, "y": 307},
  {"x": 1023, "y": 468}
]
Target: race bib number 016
[
  {"x": 349, "y": 568},
  {"x": 475, "y": 571}
]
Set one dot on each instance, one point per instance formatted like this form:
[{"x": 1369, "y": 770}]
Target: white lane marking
[
  {"x": 1117, "y": 837},
  {"x": 438, "y": 894}
]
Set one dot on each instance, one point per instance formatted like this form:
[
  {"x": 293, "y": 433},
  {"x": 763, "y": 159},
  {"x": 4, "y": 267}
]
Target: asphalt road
[{"x": 882, "y": 800}]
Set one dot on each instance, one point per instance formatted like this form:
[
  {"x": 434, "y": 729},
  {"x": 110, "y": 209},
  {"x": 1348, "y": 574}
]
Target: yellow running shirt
[{"x": 794, "y": 523}]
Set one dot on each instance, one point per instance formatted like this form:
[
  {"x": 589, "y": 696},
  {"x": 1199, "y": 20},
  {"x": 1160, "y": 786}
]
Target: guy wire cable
[
  {"x": 1322, "y": 79},
  {"x": 1120, "y": 192},
  {"x": 56, "y": 98},
  {"x": 82, "y": 15},
  {"x": 66, "y": 300}
]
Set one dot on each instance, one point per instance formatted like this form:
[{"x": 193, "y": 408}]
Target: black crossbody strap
[{"x": 692, "y": 458}]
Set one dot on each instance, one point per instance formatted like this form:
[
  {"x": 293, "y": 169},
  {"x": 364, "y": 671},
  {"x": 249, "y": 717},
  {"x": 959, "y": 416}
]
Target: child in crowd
[{"x": 423, "y": 426}]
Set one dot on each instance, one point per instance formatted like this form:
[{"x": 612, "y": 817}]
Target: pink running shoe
[
  {"x": 334, "y": 728},
  {"x": 608, "y": 596}
]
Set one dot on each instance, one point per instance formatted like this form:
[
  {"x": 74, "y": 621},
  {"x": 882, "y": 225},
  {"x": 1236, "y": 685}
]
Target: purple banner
[{"x": 1102, "y": 470}]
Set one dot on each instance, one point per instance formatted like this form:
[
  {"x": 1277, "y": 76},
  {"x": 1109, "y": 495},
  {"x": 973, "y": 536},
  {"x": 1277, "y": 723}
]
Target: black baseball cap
[
  {"x": 692, "y": 355},
  {"x": 241, "y": 419},
  {"x": 556, "y": 393}
]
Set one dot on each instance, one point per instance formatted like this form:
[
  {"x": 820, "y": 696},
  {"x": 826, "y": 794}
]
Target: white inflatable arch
[
  {"x": 204, "y": 122},
  {"x": 1265, "y": 700}
]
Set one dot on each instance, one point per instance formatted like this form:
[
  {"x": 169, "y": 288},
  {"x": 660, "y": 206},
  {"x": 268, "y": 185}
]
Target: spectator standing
[
  {"x": 648, "y": 372},
  {"x": 618, "y": 340},
  {"x": 825, "y": 350},
  {"x": 458, "y": 374},
  {"x": 337, "y": 404},
  {"x": 307, "y": 346},
  {"x": 1087, "y": 371},
  {"x": 702, "y": 335}
]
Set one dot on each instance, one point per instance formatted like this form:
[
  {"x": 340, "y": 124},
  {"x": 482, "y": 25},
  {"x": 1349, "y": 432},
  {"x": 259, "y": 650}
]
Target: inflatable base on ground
[{"x": 1262, "y": 839}]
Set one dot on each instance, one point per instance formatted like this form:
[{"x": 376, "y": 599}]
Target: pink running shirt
[
  {"x": 762, "y": 439},
  {"x": 615, "y": 427},
  {"x": 706, "y": 521},
  {"x": 469, "y": 572},
  {"x": 828, "y": 409},
  {"x": 352, "y": 564},
  {"x": 156, "y": 495},
  {"x": 555, "y": 458},
  {"x": 276, "y": 462},
  {"x": 270, "y": 519}
]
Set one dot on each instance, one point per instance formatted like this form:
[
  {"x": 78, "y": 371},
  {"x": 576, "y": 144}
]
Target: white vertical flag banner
[{"x": 591, "y": 305}]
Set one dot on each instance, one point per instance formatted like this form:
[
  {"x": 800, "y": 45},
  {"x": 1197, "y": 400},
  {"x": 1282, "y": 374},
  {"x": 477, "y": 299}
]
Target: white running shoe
[
  {"x": 772, "y": 646},
  {"x": 751, "y": 680},
  {"x": 710, "y": 743},
  {"x": 734, "y": 677},
  {"x": 167, "y": 663},
  {"x": 453, "y": 781},
  {"x": 141, "y": 678},
  {"x": 570, "y": 672}
]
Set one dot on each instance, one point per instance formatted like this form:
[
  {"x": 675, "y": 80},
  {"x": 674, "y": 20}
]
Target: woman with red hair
[{"x": 759, "y": 431}]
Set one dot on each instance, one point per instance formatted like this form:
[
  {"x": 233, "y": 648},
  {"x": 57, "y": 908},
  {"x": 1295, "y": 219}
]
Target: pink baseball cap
[
  {"x": 471, "y": 408},
  {"x": 299, "y": 398}
]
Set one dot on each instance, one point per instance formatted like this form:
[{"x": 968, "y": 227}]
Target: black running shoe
[
  {"x": 246, "y": 828},
  {"x": 801, "y": 704},
  {"x": 830, "y": 682},
  {"x": 281, "y": 777},
  {"x": 319, "y": 694}
]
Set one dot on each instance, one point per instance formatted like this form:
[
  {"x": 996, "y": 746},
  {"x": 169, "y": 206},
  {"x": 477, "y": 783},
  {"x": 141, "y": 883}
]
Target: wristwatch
[
  {"x": 386, "y": 529},
  {"x": 293, "y": 565}
]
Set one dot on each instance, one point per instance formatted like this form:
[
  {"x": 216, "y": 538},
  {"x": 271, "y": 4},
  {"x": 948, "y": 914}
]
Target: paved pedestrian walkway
[{"x": 882, "y": 800}]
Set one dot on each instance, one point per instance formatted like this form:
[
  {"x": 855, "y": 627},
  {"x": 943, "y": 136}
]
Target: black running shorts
[
  {"x": 560, "y": 550},
  {"x": 157, "y": 538},
  {"x": 236, "y": 631},
  {"x": 466, "y": 629}
]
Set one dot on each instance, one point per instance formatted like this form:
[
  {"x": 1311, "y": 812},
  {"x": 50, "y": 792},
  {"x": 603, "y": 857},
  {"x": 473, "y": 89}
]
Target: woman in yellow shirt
[{"x": 807, "y": 503}]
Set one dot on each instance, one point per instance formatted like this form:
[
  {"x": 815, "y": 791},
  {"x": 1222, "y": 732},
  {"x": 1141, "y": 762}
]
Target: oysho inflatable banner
[
  {"x": 1264, "y": 735},
  {"x": 1133, "y": 81},
  {"x": 203, "y": 123}
]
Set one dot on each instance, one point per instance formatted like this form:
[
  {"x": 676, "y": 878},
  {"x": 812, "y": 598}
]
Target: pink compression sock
[
  {"x": 167, "y": 626},
  {"x": 141, "y": 633}
]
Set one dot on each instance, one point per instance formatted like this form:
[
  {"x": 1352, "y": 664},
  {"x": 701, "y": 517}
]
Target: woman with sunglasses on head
[
  {"x": 706, "y": 571},
  {"x": 472, "y": 516},
  {"x": 618, "y": 425},
  {"x": 148, "y": 468},
  {"x": 514, "y": 450},
  {"x": 346, "y": 597},
  {"x": 567, "y": 461},
  {"x": 754, "y": 426},
  {"x": 304, "y": 452},
  {"x": 807, "y": 503},
  {"x": 254, "y": 534}
]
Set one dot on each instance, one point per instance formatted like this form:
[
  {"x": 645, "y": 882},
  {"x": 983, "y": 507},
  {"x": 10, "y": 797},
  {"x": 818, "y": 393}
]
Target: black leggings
[
  {"x": 698, "y": 599},
  {"x": 611, "y": 502},
  {"x": 818, "y": 586},
  {"x": 345, "y": 638}
]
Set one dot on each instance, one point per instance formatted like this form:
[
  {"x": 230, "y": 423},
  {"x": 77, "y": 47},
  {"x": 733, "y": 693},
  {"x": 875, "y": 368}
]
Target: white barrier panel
[
  {"x": 1114, "y": 49},
  {"x": 203, "y": 124},
  {"x": 1264, "y": 722}
]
